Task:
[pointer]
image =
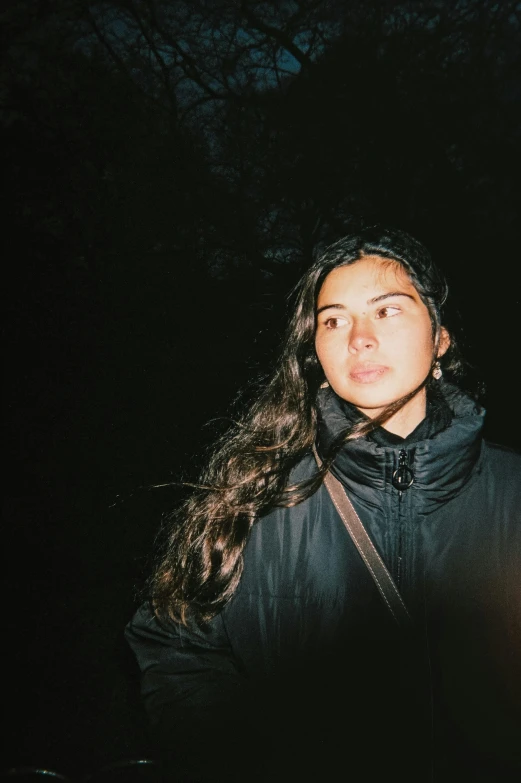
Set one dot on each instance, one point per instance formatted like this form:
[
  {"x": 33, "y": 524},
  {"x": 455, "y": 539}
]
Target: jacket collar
[{"x": 442, "y": 452}]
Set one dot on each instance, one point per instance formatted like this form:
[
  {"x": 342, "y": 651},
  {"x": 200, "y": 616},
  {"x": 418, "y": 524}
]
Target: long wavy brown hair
[{"x": 200, "y": 562}]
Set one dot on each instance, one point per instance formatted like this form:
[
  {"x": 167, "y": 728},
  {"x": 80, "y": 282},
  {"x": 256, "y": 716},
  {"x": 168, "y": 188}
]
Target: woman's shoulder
[
  {"x": 502, "y": 456},
  {"x": 305, "y": 469},
  {"x": 503, "y": 464}
]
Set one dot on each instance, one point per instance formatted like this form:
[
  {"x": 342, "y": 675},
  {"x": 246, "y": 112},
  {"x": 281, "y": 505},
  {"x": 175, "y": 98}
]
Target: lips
[{"x": 367, "y": 373}]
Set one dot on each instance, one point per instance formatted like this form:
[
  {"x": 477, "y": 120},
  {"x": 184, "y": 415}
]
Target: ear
[{"x": 444, "y": 342}]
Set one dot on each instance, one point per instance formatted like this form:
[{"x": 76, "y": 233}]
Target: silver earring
[
  {"x": 324, "y": 385},
  {"x": 437, "y": 372}
]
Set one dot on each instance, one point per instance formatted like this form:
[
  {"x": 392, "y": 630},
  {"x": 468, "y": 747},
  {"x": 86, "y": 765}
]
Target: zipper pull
[{"x": 403, "y": 476}]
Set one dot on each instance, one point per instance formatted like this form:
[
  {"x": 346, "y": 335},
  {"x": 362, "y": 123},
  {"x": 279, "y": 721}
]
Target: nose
[{"x": 362, "y": 337}]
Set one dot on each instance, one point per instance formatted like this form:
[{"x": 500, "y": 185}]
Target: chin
[{"x": 372, "y": 405}]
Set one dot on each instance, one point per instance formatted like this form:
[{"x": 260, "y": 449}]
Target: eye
[
  {"x": 388, "y": 311},
  {"x": 334, "y": 322}
]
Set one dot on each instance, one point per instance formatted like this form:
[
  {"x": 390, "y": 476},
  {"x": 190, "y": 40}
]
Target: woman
[{"x": 267, "y": 652}]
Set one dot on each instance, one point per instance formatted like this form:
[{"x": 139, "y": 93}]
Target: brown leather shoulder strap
[{"x": 366, "y": 548}]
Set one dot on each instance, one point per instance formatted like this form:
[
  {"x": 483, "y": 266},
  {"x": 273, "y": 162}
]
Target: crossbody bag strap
[{"x": 366, "y": 548}]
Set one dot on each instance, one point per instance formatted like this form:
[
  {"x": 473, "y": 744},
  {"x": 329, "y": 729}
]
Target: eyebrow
[{"x": 374, "y": 300}]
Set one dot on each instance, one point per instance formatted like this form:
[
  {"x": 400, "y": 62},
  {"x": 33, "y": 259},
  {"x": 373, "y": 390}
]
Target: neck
[{"x": 407, "y": 418}]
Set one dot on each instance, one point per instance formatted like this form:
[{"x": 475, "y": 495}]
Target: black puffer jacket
[{"x": 304, "y": 674}]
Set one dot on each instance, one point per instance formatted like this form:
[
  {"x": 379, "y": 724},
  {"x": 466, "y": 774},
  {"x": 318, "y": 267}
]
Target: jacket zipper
[
  {"x": 403, "y": 478},
  {"x": 400, "y": 542}
]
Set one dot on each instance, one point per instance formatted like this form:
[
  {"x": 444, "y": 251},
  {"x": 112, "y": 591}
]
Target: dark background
[{"x": 168, "y": 169}]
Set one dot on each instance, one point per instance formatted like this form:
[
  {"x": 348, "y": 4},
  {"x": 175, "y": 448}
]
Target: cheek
[
  {"x": 414, "y": 338},
  {"x": 319, "y": 349},
  {"x": 428, "y": 341},
  {"x": 421, "y": 350},
  {"x": 327, "y": 352}
]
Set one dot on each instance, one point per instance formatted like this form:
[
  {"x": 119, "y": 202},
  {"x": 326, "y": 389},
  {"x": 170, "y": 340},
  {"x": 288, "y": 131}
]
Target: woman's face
[{"x": 374, "y": 339}]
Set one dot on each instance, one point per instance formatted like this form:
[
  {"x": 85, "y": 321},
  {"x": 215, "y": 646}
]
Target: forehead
[{"x": 371, "y": 274}]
